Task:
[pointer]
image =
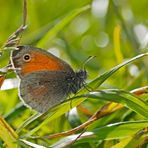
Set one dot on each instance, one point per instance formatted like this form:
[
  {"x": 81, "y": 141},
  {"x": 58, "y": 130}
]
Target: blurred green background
[{"x": 111, "y": 30}]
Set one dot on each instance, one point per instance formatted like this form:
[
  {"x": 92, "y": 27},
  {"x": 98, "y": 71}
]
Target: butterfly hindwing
[{"x": 44, "y": 89}]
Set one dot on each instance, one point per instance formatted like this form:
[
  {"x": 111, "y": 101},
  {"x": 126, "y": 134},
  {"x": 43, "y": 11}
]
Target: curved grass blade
[
  {"x": 51, "y": 33},
  {"x": 99, "y": 80},
  {"x": 132, "y": 102},
  {"x": 111, "y": 131},
  {"x": 120, "y": 130}
]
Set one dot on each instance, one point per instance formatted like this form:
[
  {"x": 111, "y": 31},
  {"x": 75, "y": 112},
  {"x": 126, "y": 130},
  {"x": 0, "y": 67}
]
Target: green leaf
[
  {"x": 125, "y": 98},
  {"x": 99, "y": 80},
  {"x": 108, "y": 132},
  {"x": 51, "y": 33},
  {"x": 120, "y": 130}
]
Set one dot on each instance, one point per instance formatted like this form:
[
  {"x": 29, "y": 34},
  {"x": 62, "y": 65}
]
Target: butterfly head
[{"x": 78, "y": 80}]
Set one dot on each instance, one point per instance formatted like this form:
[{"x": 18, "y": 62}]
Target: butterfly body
[{"x": 45, "y": 80}]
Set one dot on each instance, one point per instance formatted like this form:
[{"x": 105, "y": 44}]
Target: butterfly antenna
[
  {"x": 83, "y": 68},
  {"x": 87, "y": 60}
]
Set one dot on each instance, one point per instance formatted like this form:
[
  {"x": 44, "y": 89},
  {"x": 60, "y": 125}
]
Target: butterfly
[{"x": 45, "y": 80}]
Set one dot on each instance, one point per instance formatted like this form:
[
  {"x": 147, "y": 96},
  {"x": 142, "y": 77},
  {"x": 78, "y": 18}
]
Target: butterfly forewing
[{"x": 39, "y": 60}]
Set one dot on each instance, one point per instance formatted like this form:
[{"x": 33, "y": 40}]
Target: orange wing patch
[{"x": 41, "y": 62}]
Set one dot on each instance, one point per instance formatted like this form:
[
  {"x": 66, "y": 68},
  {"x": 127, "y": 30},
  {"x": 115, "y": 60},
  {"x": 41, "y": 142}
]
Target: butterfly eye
[{"x": 26, "y": 57}]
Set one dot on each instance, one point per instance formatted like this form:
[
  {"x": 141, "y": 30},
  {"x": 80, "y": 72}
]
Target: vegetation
[{"x": 112, "y": 109}]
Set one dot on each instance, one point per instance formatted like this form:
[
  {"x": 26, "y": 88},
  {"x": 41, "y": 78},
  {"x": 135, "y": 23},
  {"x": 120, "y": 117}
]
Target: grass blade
[
  {"x": 120, "y": 130},
  {"x": 132, "y": 102},
  {"x": 51, "y": 33},
  {"x": 108, "y": 132},
  {"x": 99, "y": 80}
]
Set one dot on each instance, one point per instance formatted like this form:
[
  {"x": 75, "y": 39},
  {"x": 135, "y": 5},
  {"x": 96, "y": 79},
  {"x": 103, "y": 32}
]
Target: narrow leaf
[
  {"x": 132, "y": 102},
  {"x": 119, "y": 130},
  {"x": 58, "y": 27},
  {"x": 111, "y": 131},
  {"x": 99, "y": 80}
]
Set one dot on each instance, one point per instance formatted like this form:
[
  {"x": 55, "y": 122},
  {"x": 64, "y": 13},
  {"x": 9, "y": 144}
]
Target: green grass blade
[
  {"x": 108, "y": 132},
  {"x": 120, "y": 130},
  {"x": 99, "y": 80},
  {"x": 51, "y": 33},
  {"x": 132, "y": 102}
]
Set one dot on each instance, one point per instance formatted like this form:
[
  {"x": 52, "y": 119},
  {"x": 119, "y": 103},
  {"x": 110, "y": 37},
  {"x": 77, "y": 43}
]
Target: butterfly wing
[
  {"x": 39, "y": 60},
  {"x": 44, "y": 89}
]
